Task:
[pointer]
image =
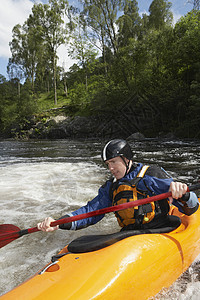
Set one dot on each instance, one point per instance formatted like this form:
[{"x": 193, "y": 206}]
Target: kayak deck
[{"x": 137, "y": 267}]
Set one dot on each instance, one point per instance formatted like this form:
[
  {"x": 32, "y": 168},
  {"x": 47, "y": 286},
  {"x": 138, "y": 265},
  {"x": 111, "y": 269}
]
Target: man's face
[{"x": 117, "y": 166}]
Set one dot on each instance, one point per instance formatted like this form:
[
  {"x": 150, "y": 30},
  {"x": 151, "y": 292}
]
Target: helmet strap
[{"x": 126, "y": 164}]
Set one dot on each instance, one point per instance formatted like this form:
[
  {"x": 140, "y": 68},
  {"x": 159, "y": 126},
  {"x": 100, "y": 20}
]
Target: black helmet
[{"x": 116, "y": 148}]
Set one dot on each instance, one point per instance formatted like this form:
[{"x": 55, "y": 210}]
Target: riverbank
[
  {"x": 78, "y": 127},
  {"x": 136, "y": 116}
]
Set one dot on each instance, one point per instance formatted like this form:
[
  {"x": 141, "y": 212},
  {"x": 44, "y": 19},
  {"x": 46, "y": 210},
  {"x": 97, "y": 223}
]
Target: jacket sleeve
[
  {"x": 102, "y": 200},
  {"x": 157, "y": 181},
  {"x": 188, "y": 204}
]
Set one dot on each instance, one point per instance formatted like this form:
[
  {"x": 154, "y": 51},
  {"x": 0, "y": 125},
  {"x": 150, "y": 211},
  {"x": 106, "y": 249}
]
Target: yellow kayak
[{"x": 136, "y": 267}]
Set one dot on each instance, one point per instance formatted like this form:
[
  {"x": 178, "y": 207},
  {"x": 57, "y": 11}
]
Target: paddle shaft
[
  {"x": 96, "y": 213},
  {"x": 118, "y": 207}
]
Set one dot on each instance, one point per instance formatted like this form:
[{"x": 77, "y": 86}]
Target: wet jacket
[{"x": 155, "y": 181}]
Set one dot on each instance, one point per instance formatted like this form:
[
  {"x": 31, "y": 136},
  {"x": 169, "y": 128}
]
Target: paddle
[{"x": 9, "y": 232}]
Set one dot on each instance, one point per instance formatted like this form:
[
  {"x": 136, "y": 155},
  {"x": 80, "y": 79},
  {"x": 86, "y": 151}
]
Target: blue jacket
[{"x": 149, "y": 183}]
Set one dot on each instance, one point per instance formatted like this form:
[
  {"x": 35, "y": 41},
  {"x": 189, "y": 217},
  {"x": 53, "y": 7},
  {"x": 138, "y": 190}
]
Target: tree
[
  {"x": 100, "y": 21},
  {"x": 102, "y": 24},
  {"x": 17, "y": 65},
  {"x": 185, "y": 63},
  {"x": 187, "y": 45},
  {"x": 81, "y": 50},
  {"x": 160, "y": 14},
  {"x": 35, "y": 44},
  {"x": 129, "y": 23},
  {"x": 26, "y": 50},
  {"x": 2, "y": 96},
  {"x": 49, "y": 20},
  {"x": 101, "y": 16}
]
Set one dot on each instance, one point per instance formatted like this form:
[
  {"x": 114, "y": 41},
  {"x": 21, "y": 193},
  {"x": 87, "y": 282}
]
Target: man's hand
[
  {"x": 178, "y": 189},
  {"x": 45, "y": 225}
]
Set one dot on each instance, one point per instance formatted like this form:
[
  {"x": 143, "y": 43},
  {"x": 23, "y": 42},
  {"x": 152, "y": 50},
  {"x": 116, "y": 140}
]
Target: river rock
[
  {"x": 136, "y": 136},
  {"x": 61, "y": 127},
  {"x": 82, "y": 126},
  {"x": 167, "y": 136}
]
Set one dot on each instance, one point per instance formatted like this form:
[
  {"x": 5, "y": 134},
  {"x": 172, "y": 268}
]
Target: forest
[{"x": 119, "y": 54}]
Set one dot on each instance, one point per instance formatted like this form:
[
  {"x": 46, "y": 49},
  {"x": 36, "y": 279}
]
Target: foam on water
[
  {"x": 31, "y": 192},
  {"x": 47, "y": 186}
]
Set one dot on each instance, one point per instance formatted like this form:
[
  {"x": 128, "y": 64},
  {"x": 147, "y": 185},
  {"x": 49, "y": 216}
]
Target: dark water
[{"x": 50, "y": 178}]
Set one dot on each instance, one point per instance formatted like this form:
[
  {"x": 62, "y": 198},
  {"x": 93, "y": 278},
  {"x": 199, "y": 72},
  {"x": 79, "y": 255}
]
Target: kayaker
[{"x": 130, "y": 182}]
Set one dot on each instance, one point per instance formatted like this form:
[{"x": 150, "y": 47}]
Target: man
[{"x": 131, "y": 182}]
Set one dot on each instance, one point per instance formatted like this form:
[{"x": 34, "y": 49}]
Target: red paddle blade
[
  {"x": 8, "y": 233},
  {"x": 6, "y": 228}
]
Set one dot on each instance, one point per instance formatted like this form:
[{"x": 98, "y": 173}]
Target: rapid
[{"x": 51, "y": 178}]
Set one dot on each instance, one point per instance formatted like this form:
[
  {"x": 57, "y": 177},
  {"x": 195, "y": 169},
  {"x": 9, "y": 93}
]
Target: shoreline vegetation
[
  {"x": 134, "y": 74},
  {"x": 79, "y": 128}
]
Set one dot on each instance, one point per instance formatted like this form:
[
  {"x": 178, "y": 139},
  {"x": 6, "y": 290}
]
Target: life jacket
[{"x": 126, "y": 191}]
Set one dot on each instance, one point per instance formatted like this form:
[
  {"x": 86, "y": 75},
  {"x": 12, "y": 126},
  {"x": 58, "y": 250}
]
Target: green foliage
[
  {"x": 118, "y": 53},
  {"x": 187, "y": 37},
  {"x": 79, "y": 96},
  {"x": 129, "y": 23},
  {"x": 160, "y": 14},
  {"x": 193, "y": 112}
]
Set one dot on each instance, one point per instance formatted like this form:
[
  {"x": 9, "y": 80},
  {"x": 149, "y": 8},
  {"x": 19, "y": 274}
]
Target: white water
[{"x": 44, "y": 178}]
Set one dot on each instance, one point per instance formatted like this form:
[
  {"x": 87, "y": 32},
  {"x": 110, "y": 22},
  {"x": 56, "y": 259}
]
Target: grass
[{"x": 45, "y": 101}]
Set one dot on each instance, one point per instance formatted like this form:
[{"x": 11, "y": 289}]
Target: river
[{"x": 51, "y": 178}]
